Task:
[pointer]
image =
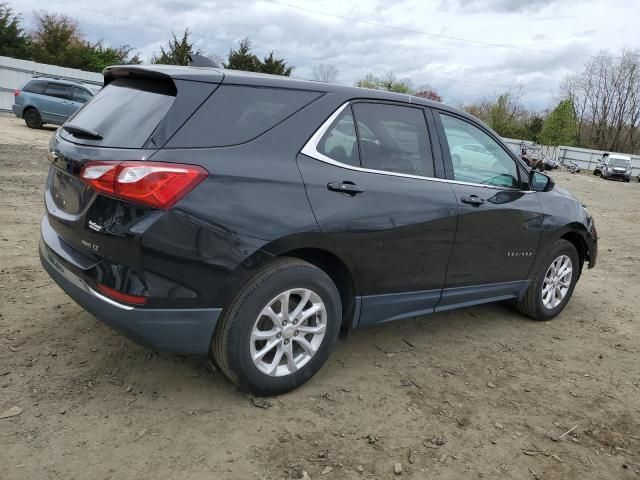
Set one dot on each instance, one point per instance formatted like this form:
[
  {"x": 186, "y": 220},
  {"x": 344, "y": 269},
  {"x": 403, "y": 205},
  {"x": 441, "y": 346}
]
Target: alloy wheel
[
  {"x": 557, "y": 282},
  {"x": 288, "y": 332}
]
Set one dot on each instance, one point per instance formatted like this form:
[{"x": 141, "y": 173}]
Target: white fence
[
  {"x": 15, "y": 73},
  {"x": 585, "y": 158}
]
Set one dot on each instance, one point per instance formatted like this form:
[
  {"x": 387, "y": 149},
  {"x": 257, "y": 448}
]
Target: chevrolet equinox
[{"x": 254, "y": 217}]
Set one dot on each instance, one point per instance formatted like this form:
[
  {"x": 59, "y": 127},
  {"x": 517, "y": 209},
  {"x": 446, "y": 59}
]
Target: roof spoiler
[
  {"x": 163, "y": 72},
  {"x": 196, "y": 60}
]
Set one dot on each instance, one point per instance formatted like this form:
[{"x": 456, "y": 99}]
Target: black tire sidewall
[
  {"x": 238, "y": 356},
  {"x": 32, "y": 118},
  {"x": 561, "y": 247}
]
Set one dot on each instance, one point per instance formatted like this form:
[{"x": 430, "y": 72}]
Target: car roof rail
[{"x": 40, "y": 75}]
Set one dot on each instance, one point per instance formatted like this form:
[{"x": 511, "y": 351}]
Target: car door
[
  {"x": 500, "y": 219},
  {"x": 54, "y": 103},
  {"x": 372, "y": 189},
  {"x": 79, "y": 96}
]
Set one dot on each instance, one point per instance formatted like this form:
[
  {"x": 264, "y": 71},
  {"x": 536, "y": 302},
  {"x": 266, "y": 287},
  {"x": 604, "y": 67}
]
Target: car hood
[{"x": 562, "y": 192}]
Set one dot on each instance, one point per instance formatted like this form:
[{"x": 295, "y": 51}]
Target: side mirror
[{"x": 539, "y": 182}]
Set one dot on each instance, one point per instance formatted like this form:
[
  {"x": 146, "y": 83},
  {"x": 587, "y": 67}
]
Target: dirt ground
[{"x": 484, "y": 393}]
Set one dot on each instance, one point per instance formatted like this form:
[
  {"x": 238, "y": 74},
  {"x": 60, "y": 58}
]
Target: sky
[{"x": 464, "y": 49}]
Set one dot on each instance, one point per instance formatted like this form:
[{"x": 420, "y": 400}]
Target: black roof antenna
[{"x": 196, "y": 60}]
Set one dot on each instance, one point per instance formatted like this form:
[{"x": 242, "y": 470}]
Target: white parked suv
[{"x": 615, "y": 166}]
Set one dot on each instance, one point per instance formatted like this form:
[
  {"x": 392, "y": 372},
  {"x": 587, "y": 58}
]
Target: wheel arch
[
  {"x": 576, "y": 237},
  {"x": 339, "y": 273},
  {"x": 30, "y": 106},
  {"x": 316, "y": 249}
]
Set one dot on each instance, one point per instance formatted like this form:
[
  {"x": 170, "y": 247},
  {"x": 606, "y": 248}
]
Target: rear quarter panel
[{"x": 253, "y": 205}]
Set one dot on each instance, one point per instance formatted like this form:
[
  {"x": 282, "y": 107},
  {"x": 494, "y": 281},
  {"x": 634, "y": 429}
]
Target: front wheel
[
  {"x": 553, "y": 282},
  {"x": 279, "y": 329}
]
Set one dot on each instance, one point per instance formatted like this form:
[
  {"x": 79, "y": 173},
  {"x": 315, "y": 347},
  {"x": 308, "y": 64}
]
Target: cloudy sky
[{"x": 465, "y": 49}]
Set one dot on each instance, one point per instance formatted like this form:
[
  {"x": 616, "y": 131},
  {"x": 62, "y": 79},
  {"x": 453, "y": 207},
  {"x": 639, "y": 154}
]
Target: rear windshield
[
  {"x": 124, "y": 113},
  {"x": 235, "y": 114}
]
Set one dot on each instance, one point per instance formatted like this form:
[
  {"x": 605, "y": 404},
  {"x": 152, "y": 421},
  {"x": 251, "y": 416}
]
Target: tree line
[
  {"x": 598, "y": 107},
  {"x": 58, "y": 40}
]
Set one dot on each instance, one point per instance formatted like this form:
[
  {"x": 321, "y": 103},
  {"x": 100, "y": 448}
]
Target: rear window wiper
[{"x": 78, "y": 131}]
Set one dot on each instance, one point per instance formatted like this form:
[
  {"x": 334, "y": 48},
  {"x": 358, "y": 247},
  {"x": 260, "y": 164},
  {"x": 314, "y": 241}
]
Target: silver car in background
[{"x": 615, "y": 167}]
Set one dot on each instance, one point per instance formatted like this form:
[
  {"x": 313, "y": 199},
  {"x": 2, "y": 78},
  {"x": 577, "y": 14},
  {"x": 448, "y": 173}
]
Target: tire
[
  {"x": 532, "y": 304},
  {"x": 233, "y": 344},
  {"x": 596, "y": 172},
  {"x": 32, "y": 118}
]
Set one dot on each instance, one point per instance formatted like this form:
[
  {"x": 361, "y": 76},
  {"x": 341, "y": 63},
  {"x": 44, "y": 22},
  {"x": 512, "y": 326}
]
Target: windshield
[{"x": 619, "y": 162}]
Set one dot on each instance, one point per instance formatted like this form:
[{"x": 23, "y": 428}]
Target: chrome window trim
[{"x": 310, "y": 149}]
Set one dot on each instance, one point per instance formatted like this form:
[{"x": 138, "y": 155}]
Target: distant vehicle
[
  {"x": 550, "y": 163},
  {"x": 48, "y": 100},
  {"x": 533, "y": 157},
  {"x": 598, "y": 169},
  {"x": 614, "y": 166},
  {"x": 472, "y": 153}
]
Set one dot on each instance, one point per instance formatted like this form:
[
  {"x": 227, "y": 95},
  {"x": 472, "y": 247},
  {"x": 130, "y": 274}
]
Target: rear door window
[
  {"x": 235, "y": 114},
  {"x": 58, "y": 90},
  {"x": 124, "y": 113},
  {"x": 340, "y": 143},
  {"x": 394, "y": 138}
]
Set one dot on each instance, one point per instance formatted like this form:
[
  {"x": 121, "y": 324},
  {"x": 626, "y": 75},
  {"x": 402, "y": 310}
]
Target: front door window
[{"x": 476, "y": 157}]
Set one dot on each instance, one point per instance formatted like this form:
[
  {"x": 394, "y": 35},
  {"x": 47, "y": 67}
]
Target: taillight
[
  {"x": 156, "y": 184},
  {"x": 16, "y": 93},
  {"x": 124, "y": 297}
]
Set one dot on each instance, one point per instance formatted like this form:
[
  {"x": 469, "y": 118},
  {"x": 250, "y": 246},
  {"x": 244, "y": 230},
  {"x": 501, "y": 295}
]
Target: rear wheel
[
  {"x": 553, "y": 282},
  {"x": 280, "y": 329},
  {"x": 32, "y": 118}
]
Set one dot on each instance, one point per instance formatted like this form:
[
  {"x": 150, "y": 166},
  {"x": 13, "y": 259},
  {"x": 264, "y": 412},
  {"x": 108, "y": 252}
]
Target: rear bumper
[
  {"x": 17, "y": 109},
  {"x": 170, "y": 330}
]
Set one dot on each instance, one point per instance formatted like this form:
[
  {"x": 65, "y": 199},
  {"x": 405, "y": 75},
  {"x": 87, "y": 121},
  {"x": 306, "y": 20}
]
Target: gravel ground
[{"x": 483, "y": 392}]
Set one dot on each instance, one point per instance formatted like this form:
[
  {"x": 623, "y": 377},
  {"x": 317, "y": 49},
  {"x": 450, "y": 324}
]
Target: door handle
[
  {"x": 346, "y": 187},
  {"x": 472, "y": 200}
]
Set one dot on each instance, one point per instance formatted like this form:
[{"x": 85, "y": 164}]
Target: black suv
[{"x": 253, "y": 217}]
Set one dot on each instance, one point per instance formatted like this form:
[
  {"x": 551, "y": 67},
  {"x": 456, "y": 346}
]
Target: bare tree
[
  {"x": 325, "y": 72},
  {"x": 504, "y": 112},
  {"x": 606, "y": 98}
]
